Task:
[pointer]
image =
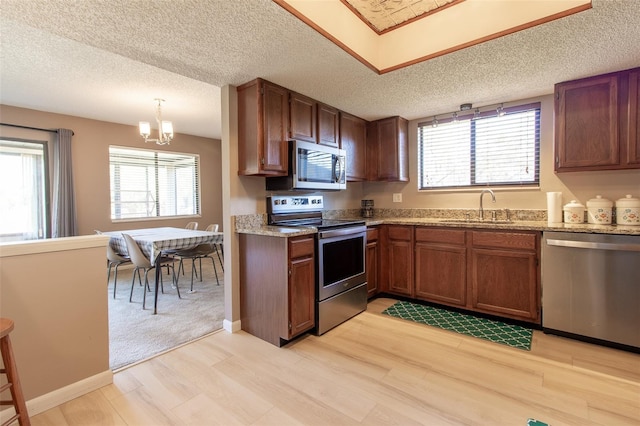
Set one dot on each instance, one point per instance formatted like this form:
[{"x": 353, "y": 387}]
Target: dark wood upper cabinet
[
  {"x": 387, "y": 150},
  {"x": 328, "y": 125},
  {"x": 594, "y": 123},
  {"x": 633, "y": 114},
  {"x": 263, "y": 118},
  {"x": 302, "y": 118},
  {"x": 353, "y": 137}
]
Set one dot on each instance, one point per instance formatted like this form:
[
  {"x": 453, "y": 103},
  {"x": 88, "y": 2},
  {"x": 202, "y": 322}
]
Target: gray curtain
[{"x": 63, "y": 204}]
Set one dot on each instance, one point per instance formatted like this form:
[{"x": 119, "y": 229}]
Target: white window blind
[
  {"x": 147, "y": 183},
  {"x": 483, "y": 150}
]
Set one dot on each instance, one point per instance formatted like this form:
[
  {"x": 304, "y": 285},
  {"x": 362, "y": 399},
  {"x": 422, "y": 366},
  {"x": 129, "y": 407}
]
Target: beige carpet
[{"x": 135, "y": 335}]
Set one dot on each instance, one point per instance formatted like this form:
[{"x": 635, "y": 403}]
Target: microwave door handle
[{"x": 338, "y": 169}]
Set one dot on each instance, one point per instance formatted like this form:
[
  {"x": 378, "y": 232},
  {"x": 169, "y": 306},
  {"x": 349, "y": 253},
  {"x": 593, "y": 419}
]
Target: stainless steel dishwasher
[{"x": 591, "y": 287}]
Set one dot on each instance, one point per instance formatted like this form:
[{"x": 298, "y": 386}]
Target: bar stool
[{"x": 13, "y": 381}]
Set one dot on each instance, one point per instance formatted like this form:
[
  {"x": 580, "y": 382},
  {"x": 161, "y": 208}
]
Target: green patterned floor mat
[{"x": 494, "y": 331}]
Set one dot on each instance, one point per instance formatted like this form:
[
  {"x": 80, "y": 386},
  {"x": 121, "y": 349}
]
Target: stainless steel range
[{"x": 341, "y": 287}]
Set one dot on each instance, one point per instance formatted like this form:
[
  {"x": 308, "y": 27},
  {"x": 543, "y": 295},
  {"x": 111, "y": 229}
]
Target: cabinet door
[
  {"x": 504, "y": 274},
  {"x": 633, "y": 134},
  {"x": 399, "y": 259},
  {"x": 441, "y": 266},
  {"x": 353, "y": 134},
  {"x": 328, "y": 125},
  {"x": 301, "y": 285},
  {"x": 301, "y": 295},
  {"x": 275, "y": 101},
  {"x": 371, "y": 262},
  {"x": 387, "y": 150},
  {"x": 303, "y": 118},
  {"x": 587, "y": 123}
]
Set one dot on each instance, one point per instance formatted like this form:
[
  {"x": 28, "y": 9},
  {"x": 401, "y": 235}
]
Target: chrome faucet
[{"x": 493, "y": 199}]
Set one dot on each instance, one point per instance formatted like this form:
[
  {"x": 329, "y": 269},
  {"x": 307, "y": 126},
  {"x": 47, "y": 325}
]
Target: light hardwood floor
[{"x": 373, "y": 370}]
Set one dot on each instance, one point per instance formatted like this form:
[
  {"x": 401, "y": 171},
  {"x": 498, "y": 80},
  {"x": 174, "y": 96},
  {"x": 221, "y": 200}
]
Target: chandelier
[{"x": 165, "y": 128}]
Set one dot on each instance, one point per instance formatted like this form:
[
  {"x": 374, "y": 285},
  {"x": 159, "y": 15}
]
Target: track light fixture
[{"x": 499, "y": 108}]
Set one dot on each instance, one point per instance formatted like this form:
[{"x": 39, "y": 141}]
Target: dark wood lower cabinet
[
  {"x": 504, "y": 274},
  {"x": 489, "y": 271},
  {"x": 399, "y": 259},
  {"x": 277, "y": 286},
  {"x": 441, "y": 272},
  {"x": 371, "y": 261}
]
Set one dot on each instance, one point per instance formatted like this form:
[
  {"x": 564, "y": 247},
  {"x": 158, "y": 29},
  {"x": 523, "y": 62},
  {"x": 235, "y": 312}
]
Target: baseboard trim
[
  {"x": 52, "y": 399},
  {"x": 231, "y": 327}
]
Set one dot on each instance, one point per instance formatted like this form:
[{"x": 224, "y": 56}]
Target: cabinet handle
[{"x": 262, "y": 161}]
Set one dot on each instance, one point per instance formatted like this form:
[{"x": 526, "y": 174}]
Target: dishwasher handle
[{"x": 592, "y": 245}]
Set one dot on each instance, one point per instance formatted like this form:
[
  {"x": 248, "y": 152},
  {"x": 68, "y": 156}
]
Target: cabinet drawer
[
  {"x": 372, "y": 234},
  {"x": 504, "y": 240},
  {"x": 301, "y": 246},
  {"x": 437, "y": 235},
  {"x": 400, "y": 232}
]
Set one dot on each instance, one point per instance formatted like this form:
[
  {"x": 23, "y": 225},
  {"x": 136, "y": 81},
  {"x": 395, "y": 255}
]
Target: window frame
[
  {"x": 156, "y": 187},
  {"x": 472, "y": 115}
]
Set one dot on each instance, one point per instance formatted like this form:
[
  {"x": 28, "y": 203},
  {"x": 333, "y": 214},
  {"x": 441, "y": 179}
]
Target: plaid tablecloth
[{"x": 154, "y": 241}]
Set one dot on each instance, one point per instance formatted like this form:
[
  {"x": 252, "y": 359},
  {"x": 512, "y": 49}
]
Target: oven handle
[{"x": 341, "y": 231}]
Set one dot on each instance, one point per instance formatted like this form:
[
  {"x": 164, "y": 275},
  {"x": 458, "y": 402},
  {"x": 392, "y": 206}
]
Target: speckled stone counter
[{"x": 532, "y": 220}]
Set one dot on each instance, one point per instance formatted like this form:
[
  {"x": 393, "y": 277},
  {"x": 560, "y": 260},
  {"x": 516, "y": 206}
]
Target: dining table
[{"x": 155, "y": 241}]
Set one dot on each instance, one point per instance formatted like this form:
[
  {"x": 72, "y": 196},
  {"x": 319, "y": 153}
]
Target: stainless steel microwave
[{"x": 312, "y": 167}]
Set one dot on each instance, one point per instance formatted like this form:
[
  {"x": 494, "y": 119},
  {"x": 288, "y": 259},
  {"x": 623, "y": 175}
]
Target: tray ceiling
[{"x": 414, "y": 32}]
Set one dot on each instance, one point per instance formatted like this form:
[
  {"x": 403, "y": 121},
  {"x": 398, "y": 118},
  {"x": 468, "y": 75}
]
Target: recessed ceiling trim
[{"x": 469, "y": 23}]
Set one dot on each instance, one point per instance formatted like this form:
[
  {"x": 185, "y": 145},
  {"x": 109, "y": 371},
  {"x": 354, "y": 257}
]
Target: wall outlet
[{"x": 397, "y": 197}]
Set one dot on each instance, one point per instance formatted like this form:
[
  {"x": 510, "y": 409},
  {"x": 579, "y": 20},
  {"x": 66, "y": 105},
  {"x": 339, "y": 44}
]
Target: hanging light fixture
[{"x": 165, "y": 128}]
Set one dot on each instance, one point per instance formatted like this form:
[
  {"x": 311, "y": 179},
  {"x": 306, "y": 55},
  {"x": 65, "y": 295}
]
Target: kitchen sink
[{"x": 477, "y": 221}]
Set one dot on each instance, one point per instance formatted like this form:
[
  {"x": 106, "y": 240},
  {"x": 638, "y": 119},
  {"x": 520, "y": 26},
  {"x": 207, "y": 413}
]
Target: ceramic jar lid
[
  {"x": 600, "y": 202},
  {"x": 628, "y": 201},
  {"x": 573, "y": 204}
]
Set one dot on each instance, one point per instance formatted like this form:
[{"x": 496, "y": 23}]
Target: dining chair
[
  {"x": 141, "y": 261},
  {"x": 218, "y": 247},
  {"x": 192, "y": 225},
  {"x": 196, "y": 253},
  {"x": 114, "y": 259}
]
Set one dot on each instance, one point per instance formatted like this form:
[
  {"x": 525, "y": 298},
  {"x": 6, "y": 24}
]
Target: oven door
[{"x": 341, "y": 258}]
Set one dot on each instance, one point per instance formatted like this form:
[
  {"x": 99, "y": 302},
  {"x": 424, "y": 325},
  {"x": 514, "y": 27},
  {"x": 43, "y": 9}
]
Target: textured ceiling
[
  {"x": 109, "y": 60},
  {"x": 386, "y": 14}
]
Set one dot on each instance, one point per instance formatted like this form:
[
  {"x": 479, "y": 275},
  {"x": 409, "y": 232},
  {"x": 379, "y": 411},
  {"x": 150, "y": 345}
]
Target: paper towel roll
[{"x": 554, "y": 207}]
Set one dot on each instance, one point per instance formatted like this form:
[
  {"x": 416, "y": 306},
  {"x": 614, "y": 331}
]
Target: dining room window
[
  {"x": 151, "y": 184},
  {"x": 24, "y": 213}
]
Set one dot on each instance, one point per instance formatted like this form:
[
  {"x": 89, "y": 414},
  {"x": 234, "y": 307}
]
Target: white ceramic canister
[
  {"x": 573, "y": 212},
  {"x": 599, "y": 210},
  {"x": 628, "y": 211}
]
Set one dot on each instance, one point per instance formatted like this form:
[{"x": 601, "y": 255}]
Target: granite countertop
[{"x": 278, "y": 231}]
